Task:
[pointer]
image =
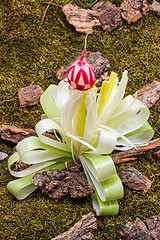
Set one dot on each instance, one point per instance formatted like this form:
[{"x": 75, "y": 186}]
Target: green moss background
[{"x": 31, "y": 52}]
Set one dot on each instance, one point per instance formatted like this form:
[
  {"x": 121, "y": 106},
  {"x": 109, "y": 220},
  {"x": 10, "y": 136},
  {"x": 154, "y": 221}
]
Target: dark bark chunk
[
  {"x": 82, "y": 230},
  {"x": 57, "y": 183},
  {"x": 132, "y": 10},
  {"x": 155, "y": 7},
  {"x": 153, "y": 224},
  {"x": 82, "y": 19},
  {"x": 3, "y": 156},
  {"x": 131, "y": 154},
  {"x": 99, "y": 64},
  {"x": 109, "y": 15},
  {"x": 136, "y": 231},
  {"x": 30, "y": 95},
  {"x": 149, "y": 94},
  {"x": 134, "y": 179}
]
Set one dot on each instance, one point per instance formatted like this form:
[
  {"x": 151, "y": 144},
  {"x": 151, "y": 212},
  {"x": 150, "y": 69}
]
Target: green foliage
[{"x": 32, "y": 52}]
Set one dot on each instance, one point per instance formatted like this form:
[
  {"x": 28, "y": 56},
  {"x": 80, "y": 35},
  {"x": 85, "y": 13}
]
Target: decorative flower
[{"x": 88, "y": 126}]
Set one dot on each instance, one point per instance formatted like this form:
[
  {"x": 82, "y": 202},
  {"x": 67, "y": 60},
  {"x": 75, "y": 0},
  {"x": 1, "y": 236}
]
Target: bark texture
[
  {"x": 155, "y": 7},
  {"x": 134, "y": 179},
  {"x": 153, "y": 224},
  {"x": 30, "y": 95},
  {"x": 15, "y": 134},
  {"x": 139, "y": 231},
  {"x": 109, "y": 16},
  {"x": 149, "y": 94},
  {"x": 57, "y": 184},
  {"x": 82, "y": 230},
  {"x": 82, "y": 19},
  {"x": 136, "y": 231},
  {"x": 132, "y": 10}
]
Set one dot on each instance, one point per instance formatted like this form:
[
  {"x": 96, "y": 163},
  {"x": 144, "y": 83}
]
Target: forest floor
[{"x": 31, "y": 52}]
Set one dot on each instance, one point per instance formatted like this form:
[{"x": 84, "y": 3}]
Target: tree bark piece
[
  {"x": 3, "y": 156},
  {"x": 99, "y": 64},
  {"x": 132, "y": 10},
  {"x": 134, "y": 179},
  {"x": 109, "y": 15},
  {"x": 131, "y": 154},
  {"x": 82, "y": 19},
  {"x": 57, "y": 184},
  {"x": 15, "y": 134},
  {"x": 82, "y": 230},
  {"x": 149, "y": 94},
  {"x": 153, "y": 224},
  {"x": 30, "y": 95},
  {"x": 155, "y": 7},
  {"x": 136, "y": 230}
]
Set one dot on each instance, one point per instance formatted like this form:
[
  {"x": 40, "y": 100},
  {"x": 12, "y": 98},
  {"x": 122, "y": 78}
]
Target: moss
[{"x": 32, "y": 52}]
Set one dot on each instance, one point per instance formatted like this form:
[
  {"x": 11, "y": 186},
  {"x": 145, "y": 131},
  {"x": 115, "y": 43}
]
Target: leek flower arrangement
[{"x": 88, "y": 126}]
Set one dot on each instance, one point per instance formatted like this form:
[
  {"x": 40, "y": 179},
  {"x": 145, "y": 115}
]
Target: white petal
[{"x": 68, "y": 110}]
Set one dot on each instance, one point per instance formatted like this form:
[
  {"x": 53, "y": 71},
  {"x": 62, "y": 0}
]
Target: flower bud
[{"x": 81, "y": 75}]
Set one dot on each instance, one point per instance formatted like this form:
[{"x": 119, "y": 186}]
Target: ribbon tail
[
  {"x": 104, "y": 208},
  {"x": 107, "y": 191}
]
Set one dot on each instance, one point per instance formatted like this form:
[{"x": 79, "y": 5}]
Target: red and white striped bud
[{"x": 81, "y": 75}]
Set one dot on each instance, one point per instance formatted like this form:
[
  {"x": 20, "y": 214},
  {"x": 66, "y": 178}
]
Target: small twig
[
  {"x": 131, "y": 154},
  {"x": 9, "y": 100},
  {"x": 46, "y": 11},
  {"x": 94, "y": 2},
  {"x": 103, "y": 43}
]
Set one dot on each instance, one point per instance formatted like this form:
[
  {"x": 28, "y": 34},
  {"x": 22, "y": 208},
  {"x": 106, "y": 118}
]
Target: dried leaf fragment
[
  {"x": 149, "y": 94},
  {"x": 82, "y": 19},
  {"x": 57, "y": 184},
  {"x": 30, "y": 95},
  {"x": 82, "y": 230},
  {"x": 134, "y": 179}
]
